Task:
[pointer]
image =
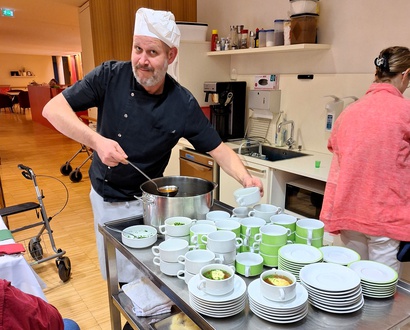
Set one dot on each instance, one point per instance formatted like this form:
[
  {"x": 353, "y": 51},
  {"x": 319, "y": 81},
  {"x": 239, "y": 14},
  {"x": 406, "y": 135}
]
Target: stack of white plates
[
  {"x": 217, "y": 306},
  {"x": 339, "y": 255},
  {"x": 293, "y": 257},
  {"x": 289, "y": 311},
  {"x": 332, "y": 288},
  {"x": 378, "y": 280}
]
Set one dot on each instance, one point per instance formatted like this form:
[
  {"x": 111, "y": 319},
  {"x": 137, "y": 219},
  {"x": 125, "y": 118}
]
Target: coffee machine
[{"x": 227, "y": 109}]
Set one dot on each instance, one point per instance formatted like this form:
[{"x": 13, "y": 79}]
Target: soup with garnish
[
  {"x": 278, "y": 280},
  {"x": 216, "y": 274}
]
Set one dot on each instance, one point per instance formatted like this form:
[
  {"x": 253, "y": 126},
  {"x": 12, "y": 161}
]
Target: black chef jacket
[{"x": 146, "y": 126}]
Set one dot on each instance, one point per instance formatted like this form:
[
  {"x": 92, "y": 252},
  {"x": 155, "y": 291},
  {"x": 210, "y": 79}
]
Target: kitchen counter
[
  {"x": 391, "y": 313},
  {"x": 303, "y": 166}
]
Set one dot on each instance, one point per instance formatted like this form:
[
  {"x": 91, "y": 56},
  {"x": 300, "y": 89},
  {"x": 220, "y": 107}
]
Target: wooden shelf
[{"x": 274, "y": 49}]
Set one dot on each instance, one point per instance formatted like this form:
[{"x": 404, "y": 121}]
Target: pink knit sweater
[{"x": 368, "y": 189}]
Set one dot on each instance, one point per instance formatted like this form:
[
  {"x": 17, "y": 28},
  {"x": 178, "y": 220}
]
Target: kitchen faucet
[{"x": 289, "y": 142}]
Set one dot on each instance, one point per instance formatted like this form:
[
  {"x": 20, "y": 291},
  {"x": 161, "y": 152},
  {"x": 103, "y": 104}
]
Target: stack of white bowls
[
  {"x": 166, "y": 255},
  {"x": 176, "y": 227},
  {"x": 224, "y": 244},
  {"x": 193, "y": 261}
]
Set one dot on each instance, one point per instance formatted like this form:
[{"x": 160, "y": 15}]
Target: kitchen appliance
[
  {"x": 199, "y": 165},
  {"x": 227, "y": 108},
  {"x": 305, "y": 197}
]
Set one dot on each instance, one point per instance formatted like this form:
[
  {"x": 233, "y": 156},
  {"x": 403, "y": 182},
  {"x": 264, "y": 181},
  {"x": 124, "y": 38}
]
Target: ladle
[{"x": 169, "y": 190}]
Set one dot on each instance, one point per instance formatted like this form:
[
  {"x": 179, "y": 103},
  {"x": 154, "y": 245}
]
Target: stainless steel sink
[{"x": 269, "y": 153}]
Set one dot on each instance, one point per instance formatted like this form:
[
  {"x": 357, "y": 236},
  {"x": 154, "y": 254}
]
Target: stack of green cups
[{"x": 287, "y": 221}]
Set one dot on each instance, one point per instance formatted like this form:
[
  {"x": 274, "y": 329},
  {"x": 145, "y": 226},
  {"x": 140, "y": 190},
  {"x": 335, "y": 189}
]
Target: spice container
[
  {"x": 286, "y": 32},
  {"x": 262, "y": 38},
  {"x": 278, "y": 35},
  {"x": 214, "y": 39},
  {"x": 244, "y": 39},
  {"x": 270, "y": 36}
]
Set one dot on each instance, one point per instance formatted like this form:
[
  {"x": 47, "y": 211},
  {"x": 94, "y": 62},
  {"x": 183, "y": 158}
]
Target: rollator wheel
[
  {"x": 76, "y": 176},
  {"x": 66, "y": 169},
  {"x": 35, "y": 249},
  {"x": 64, "y": 268}
]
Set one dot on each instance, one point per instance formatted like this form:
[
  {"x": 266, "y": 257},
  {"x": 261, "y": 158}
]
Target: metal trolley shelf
[{"x": 389, "y": 313}]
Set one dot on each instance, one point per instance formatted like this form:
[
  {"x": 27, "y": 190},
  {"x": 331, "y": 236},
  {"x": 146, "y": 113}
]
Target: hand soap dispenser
[{"x": 334, "y": 108}]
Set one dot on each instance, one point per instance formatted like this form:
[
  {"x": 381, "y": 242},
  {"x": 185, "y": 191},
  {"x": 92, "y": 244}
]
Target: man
[{"x": 142, "y": 113}]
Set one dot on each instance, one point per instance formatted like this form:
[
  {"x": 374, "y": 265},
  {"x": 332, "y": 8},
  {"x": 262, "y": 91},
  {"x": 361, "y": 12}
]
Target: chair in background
[
  {"x": 5, "y": 102},
  {"x": 24, "y": 101},
  {"x": 14, "y": 97},
  {"x": 4, "y": 89}
]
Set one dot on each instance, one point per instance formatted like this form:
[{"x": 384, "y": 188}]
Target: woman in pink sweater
[{"x": 367, "y": 197}]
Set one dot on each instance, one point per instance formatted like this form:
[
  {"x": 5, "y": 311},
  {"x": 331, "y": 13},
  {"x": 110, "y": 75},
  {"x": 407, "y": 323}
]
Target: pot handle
[{"x": 146, "y": 199}]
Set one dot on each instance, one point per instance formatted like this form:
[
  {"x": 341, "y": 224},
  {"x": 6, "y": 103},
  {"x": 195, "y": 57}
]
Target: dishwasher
[{"x": 199, "y": 165}]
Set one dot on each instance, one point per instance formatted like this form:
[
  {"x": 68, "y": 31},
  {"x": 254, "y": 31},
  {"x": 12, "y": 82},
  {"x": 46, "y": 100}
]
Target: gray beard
[{"x": 154, "y": 80}]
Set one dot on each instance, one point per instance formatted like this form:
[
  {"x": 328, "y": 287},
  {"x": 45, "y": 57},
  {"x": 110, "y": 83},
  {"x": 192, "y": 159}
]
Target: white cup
[
  {"x": 310, "y": 228},
  {"x": 185, "y": 275},
  {"x": 278, "y": 293},
  {"x": 205, "y": 222},
  {"x": 198, "y": 230},
  {"x": 222, "y": 241},
  {"x": 196, "y": 259},
  {"x": 170, "y": 249},
  {"x": 250, "y": 225},
  {"x": 273, "y": 235},
  {"x": 240, "y": 212},
  {"x": 247, "y": 196},
  {"x": 217, "y": 287},
  {"x": 264, "y": 211},
  {"x": 176, "y": 226},
  {"x": 185, "y": 238},
  {"x": 226, "y": 258},
  {"x": 168, "y": 268},
  {"x": 217, "y": 215},
  {"x": 230, "y": 225}
]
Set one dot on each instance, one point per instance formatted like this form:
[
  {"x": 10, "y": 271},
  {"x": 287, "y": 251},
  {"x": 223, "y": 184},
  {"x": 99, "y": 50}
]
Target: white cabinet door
[{"x": 227, "y": 184}]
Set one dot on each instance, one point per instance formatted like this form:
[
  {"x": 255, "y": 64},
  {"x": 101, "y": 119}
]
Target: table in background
[{"x": 16, "y": 269}]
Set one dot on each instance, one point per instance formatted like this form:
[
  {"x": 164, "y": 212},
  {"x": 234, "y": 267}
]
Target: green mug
[
  {"x": 310, "y": 228},
  {"x": 248, "y": 264}
]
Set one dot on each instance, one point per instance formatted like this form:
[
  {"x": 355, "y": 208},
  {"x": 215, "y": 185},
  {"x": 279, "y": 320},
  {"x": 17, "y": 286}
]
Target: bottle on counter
[
  {"x": 234, "y": 37},
  {"x": 257, "y": 38},
  {"x": 214, "y": 39},
  {"x": 244, "y": 39}
]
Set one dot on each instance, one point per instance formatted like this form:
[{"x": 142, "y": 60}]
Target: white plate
[
  {"x": 339, "y": 255},
  {"x": 373, "y": 271},
  {"x": 254, "y": 292},
  {"x": 339, "y": 310},
  {"x": 217, "y": 307},
  {"x": 300, "y": 253},
  {"x": 238, "y": 291},
  {"x": 232, "y": 310},
  {"x": 329, "y": 277},
  {"x": 335, "y": 294},
  {"x": 273, "y": 319}
]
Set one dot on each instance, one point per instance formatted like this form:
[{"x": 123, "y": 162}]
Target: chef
[{"x": 142, "y": 114}]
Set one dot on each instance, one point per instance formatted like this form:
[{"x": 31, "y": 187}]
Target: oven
[
  {"x": 199, "y": 165},
  {"x": 305, "y": 197}
]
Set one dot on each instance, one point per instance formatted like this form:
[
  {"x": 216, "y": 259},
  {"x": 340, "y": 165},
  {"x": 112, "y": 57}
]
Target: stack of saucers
[
  {"x": 217, "y": 306},
  {"x": 339, "y": 255},
  {"x": 332, "y": 288},
  {"x": 293, "y": 257},
  {"x": 289, "y": 311},
  {"x": 378, "y": 280}
]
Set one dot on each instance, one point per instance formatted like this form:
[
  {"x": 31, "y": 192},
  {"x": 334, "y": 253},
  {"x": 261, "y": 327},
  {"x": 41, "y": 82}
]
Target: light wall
[
  {"x": 356, "y": 31},
  {"x": 40, "y": 66}
]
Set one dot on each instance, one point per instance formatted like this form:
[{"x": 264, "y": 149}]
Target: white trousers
[
  {"x": 380, "y": 249},
  {"x": 103, "y": 212}
]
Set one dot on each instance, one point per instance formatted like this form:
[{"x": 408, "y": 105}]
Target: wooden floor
[{"x": 84, "y": 297}]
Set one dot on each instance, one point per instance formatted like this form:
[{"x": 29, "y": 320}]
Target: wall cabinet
[{"x": 227, "y": 184}]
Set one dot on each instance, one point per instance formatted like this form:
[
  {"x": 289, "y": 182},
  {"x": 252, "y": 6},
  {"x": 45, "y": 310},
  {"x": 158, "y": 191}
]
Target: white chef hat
[{"x": 157, "y": 24}]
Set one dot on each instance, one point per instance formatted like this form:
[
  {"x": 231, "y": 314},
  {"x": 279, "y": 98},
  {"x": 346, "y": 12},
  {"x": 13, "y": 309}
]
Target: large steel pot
[{"x": 194, "y": 199}]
